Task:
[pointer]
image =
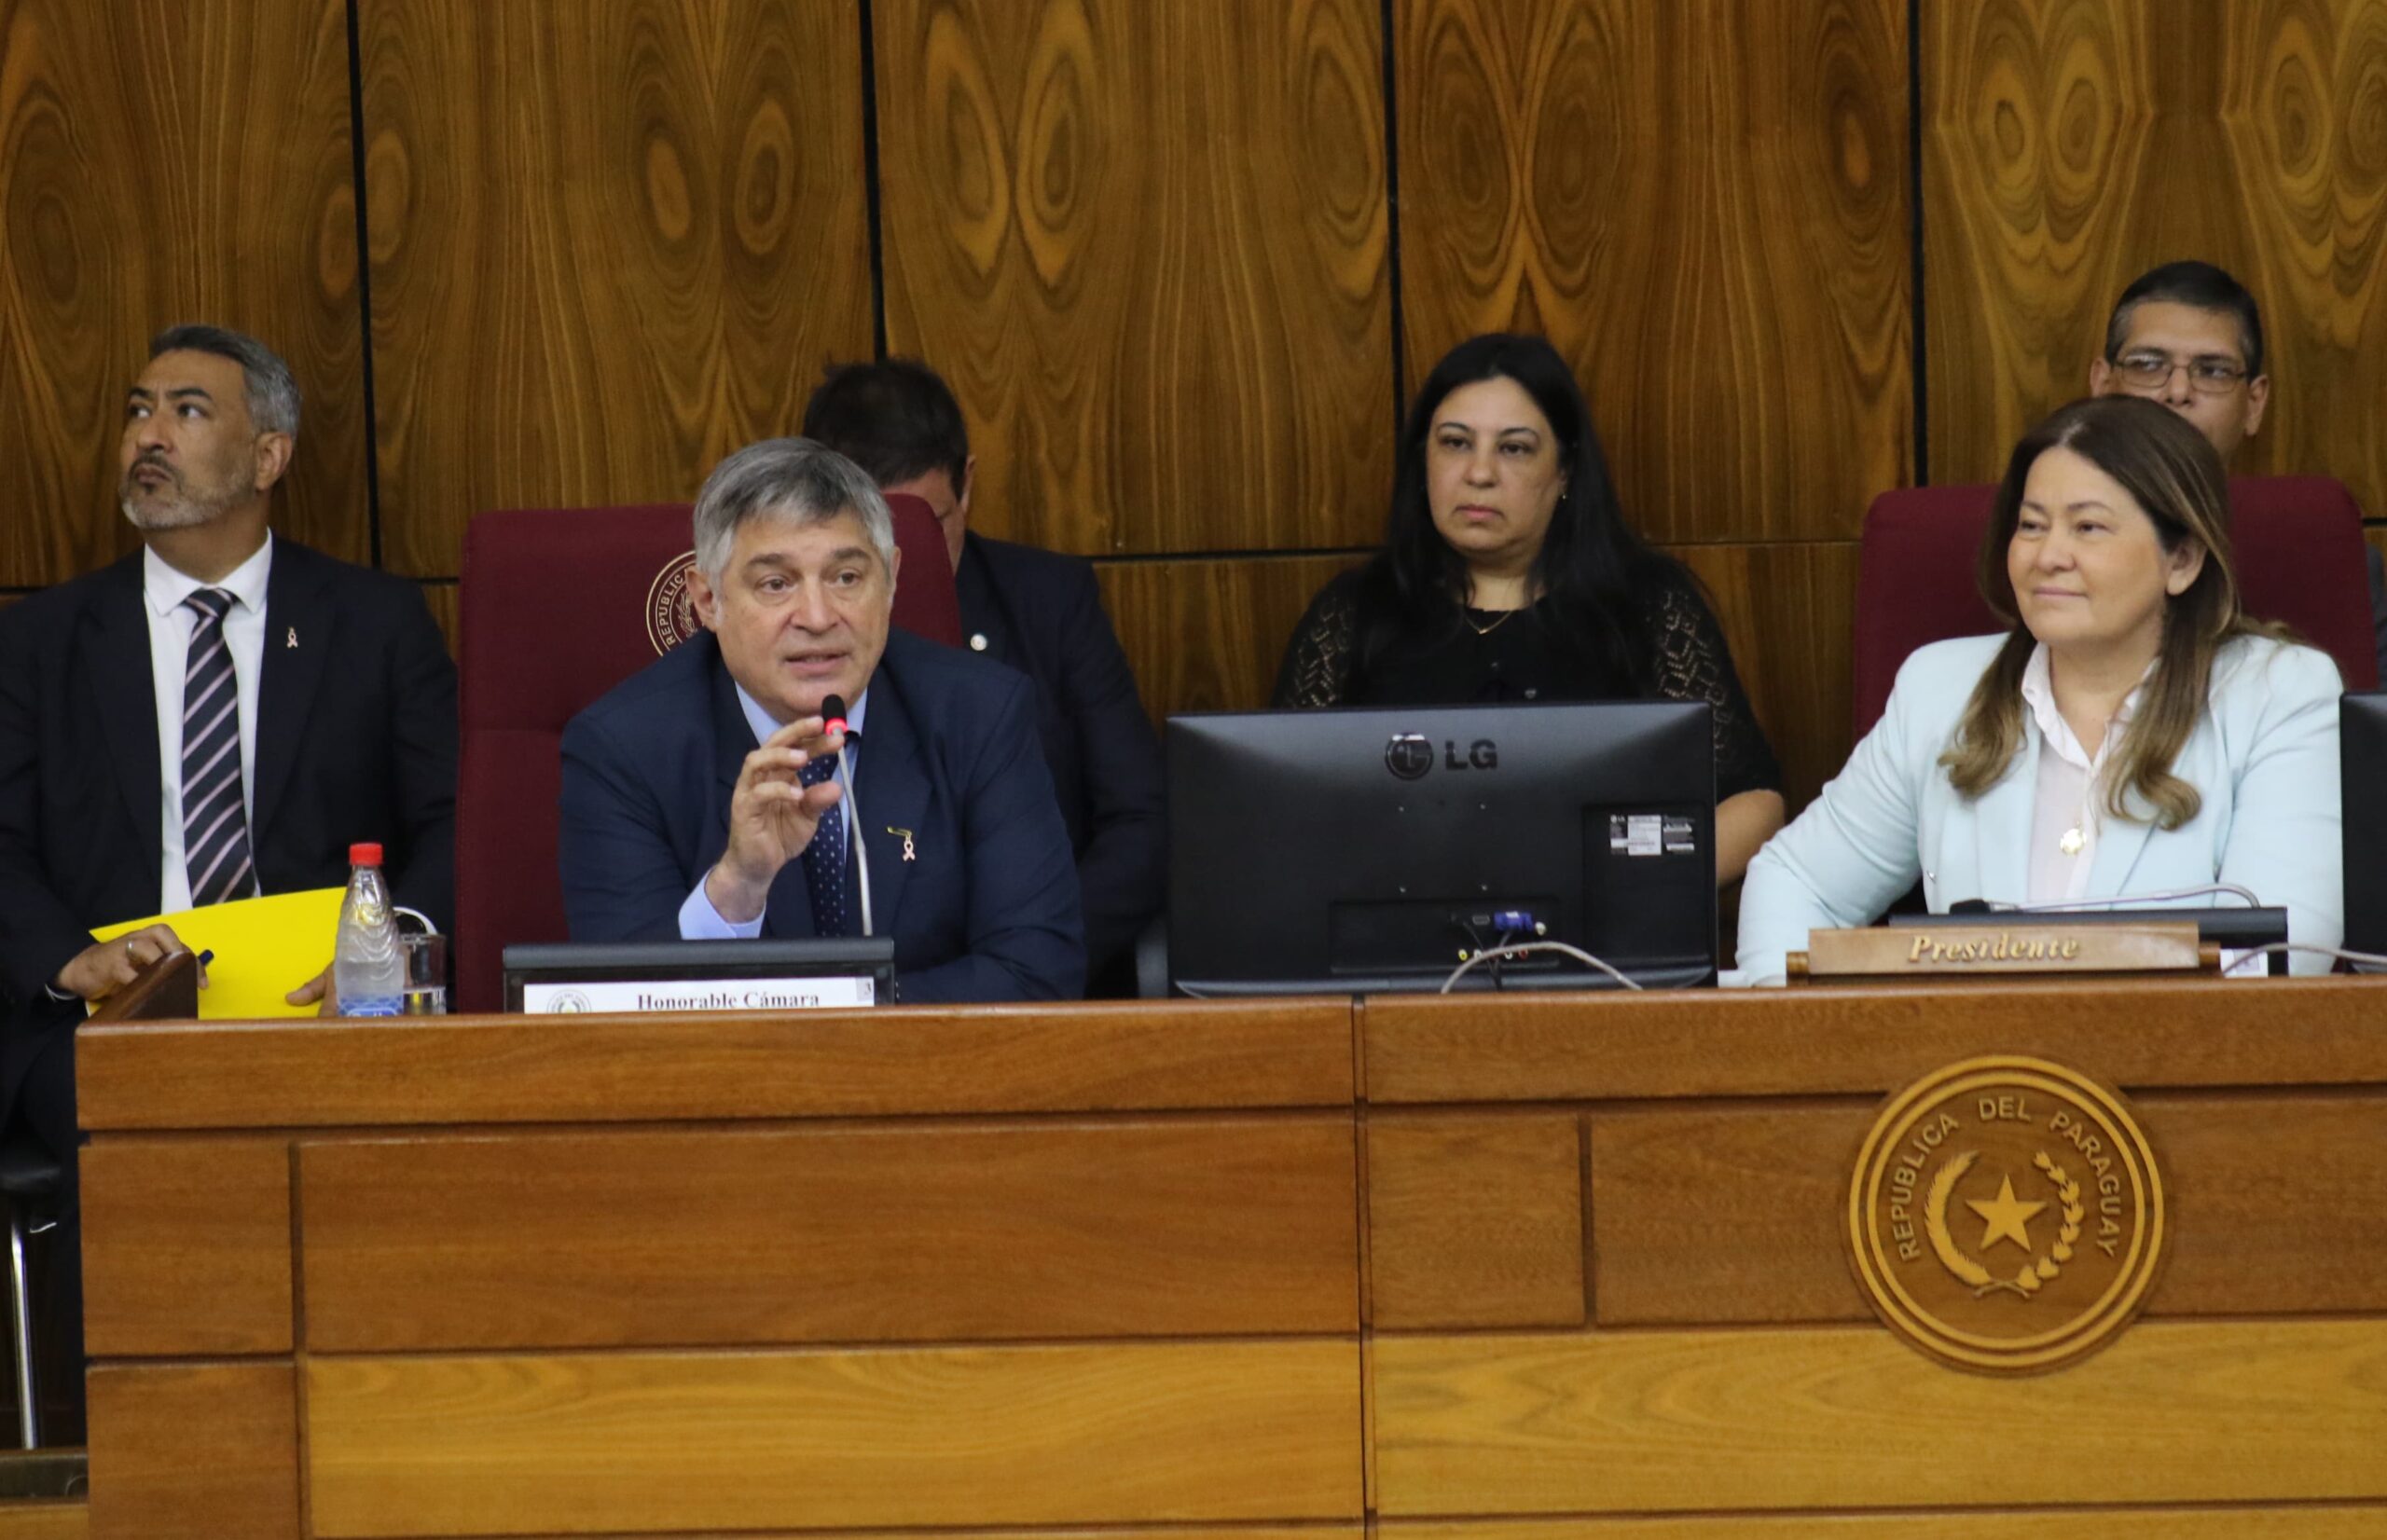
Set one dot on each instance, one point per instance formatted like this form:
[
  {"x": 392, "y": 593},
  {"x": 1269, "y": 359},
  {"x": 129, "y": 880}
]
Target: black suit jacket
[
  {"x": 355, "y": 740},
  {"x": 968, "y": 865},
  {"x": 1042, "y": 614}
]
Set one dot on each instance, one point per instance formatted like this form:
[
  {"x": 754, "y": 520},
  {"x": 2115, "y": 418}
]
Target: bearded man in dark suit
[{"x": 217, "y": 716}]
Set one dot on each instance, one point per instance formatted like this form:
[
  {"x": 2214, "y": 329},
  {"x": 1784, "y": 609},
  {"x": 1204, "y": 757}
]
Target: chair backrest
[
  {"x": 559, "y": 606},
  {"x": 2299, "y": 552}
]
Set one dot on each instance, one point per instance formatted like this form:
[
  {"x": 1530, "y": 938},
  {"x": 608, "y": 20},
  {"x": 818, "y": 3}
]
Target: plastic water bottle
[{"x": 367, "y": 970}]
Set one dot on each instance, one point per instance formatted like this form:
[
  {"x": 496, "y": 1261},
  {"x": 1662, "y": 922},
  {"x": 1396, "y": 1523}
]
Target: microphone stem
[{"x": 852, "y": 815}]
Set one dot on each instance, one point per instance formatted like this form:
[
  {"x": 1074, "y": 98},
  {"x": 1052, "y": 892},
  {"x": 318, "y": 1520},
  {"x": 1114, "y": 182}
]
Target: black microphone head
[{"x": 832, "y": 709}]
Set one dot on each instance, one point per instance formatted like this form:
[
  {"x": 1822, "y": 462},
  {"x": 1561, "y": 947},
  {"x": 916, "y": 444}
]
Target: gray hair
[
  {"x": 793, "y": 478},
  {"x": 273, "y": 390}
]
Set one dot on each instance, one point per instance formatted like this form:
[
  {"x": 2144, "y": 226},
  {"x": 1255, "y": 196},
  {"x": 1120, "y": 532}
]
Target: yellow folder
[{"x": 264, "y": 949}]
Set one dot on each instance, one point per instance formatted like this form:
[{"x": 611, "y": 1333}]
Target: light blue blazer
[{"x": 2264, "y": 757}]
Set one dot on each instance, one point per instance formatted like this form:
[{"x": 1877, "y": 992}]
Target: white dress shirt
[
  {"x": 699, "y": 921},
  {"x": 2071, "y": 788},
  {"x": 171, "y": 623}
]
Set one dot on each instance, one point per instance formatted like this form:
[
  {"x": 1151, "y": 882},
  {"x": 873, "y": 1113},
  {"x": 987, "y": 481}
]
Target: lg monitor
[
  {"x": 2361, "y": 749},
  {"x": 1363, "y": 850}
]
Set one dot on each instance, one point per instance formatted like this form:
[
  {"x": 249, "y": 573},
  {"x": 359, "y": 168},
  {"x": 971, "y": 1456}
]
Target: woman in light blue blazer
[{"x": 2134, "y": 734}]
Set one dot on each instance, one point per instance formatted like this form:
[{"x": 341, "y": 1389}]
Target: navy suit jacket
[
  {"x": 1042, "y": 614},
  {"x": 355, "y": 740},
  {"x": 986, "y": 909}
]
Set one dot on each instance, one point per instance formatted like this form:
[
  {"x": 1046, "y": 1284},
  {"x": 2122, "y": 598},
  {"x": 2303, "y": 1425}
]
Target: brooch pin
[
  {"x": 291, "y": 641},
  {"x": 905, "y": 835}
]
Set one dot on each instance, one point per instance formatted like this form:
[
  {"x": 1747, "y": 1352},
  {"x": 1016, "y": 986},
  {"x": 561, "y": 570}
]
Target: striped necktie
[{"x": 216, "y": 823}]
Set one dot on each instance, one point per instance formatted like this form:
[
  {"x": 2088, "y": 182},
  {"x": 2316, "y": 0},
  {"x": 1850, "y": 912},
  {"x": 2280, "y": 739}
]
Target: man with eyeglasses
[{"x": 2189, "y": 336}]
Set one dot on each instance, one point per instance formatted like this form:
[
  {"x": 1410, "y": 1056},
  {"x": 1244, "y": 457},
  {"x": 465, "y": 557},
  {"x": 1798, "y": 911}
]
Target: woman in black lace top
[{"x": 1508, "y": 575}]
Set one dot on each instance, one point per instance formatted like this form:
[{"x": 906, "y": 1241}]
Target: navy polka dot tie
[{"x": 824, "y": 859}]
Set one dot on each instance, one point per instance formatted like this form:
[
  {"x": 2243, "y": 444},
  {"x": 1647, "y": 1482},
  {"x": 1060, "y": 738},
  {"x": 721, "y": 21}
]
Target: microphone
[{"x": 832, "y": 719}]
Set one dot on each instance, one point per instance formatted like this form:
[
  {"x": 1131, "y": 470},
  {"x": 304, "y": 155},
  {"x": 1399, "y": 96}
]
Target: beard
[{"x": 174, "y": 506}]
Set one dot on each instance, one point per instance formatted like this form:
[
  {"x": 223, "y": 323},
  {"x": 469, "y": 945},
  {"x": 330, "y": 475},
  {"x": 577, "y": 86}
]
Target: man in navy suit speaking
[{"x": 699, "y": 797}]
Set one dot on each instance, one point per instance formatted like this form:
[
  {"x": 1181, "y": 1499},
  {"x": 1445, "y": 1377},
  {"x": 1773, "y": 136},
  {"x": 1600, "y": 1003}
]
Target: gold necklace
[{"x": 1485, "y": 631}]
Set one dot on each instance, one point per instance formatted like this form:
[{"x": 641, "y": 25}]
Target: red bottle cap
[{"x": 364, "y": 855}]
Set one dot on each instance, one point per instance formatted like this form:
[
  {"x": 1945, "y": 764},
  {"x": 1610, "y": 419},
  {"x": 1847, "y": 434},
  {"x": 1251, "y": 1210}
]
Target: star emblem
[{"x": 2006, "y": 1215}]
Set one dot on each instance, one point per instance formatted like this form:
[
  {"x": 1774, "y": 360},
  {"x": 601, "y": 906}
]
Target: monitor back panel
[{"x": 1365, "y": 849}]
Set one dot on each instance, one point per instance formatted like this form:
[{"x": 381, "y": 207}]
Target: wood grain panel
[
  {"x": 2279, "y": 1033},
  {"x": 1475, "y": 1221},
  {"x": 169, "y": 1221},
  {"x": 612, "y": 1443},
  {"x": 1737, "y": 1214},
  {"x": 1789, "y": 613},
  {"x": 1653, "y": 1422},
  {"x": 1072, "y": 1058},
  {"x": 162, "y": 164},
  {"x": 882, "y": 1235},
  {"x": 201, "y": 1451},
  {"x": 611, "y": 240},
  {"x": 1210, "y": 635},
  {"x": 28, "y": 1518},
  {"x": 1703, "y": 207},
  {"x": 1730, "y": 1216},
  {"x": 2300, "y": 1522},
  {"x": 2072, "y": 144},
  {"x": 2300, "y": 1176},
  {"x": 1146, "y": 244}
]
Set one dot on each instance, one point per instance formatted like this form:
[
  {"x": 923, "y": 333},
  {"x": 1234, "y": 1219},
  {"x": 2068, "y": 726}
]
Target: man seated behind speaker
[
  {"x": 699, "y": 797},
  {"x": 1041, "y": 613},
  {"x": 217, "y": 716},
  {"x": 2189, "y": 336},
  {"x": 2132, "y": 733}
]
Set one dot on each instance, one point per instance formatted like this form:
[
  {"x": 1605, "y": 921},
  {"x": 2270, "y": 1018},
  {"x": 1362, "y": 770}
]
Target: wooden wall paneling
[
  {"x": 1475, "y": 1221},
  {"x": 1704, "y": 207},
  {"x": 611, "y": 240},
  {"x": 2307, "y": 147},
  {"x": 1209, "y": 634},
  {"x": 196, "y": 1451},
  {"x": 634, "y": 1442},
  {"x": 649, "y": 1239},
  {"x": 2074, "y": 145},
  {"x": 614, "y": 1069},
  {"x": 2300, "y": 1522},
  {"x": 1146, "y": 246},
  {"x": 1788, "y": 612},
  {"x": 160, "y": 165},
  {"x": 169, "y": 1221},
  {"x": 1654, "y": 1422}
]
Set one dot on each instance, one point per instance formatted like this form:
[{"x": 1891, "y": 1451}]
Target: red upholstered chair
[
  {"x": 2300, "y": 556},
  {"x": 560, "y": 605}
]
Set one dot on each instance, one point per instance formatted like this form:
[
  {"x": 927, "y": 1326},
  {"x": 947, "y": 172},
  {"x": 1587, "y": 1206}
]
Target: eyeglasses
[{"x": 2152, "y": 371}]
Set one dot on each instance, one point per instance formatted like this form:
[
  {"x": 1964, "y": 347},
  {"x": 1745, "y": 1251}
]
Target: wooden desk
[{"x": 1425, "y": 1264}]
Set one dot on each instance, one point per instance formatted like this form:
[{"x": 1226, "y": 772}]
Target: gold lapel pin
[
  {"x": 291, "y": 641},
  {"x": 905, "y": 835}
]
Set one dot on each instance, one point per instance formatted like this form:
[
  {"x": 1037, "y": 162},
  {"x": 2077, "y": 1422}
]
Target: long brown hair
[{"x": 2172, "y": 473}]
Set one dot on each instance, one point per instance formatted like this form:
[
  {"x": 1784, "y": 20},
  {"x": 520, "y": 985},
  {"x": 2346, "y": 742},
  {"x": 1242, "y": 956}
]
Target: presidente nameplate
[
  {"x": 2006, "y": 1215},
  {"x": 1894, "y": 952}
]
